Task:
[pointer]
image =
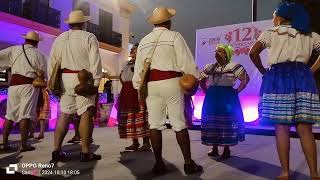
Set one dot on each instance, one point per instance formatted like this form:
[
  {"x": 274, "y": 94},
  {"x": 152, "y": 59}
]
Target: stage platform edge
[{"x": 256, "y": 129}]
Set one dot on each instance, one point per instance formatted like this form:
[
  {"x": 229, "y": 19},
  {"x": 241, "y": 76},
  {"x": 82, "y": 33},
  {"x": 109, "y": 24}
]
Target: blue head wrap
[{"x": 296, "y": 14}]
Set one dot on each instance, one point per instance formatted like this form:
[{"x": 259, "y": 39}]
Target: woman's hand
[
  {"x": 244, "y": 80},
  {"x": 203, "y": 85},
  {"x": 314, "y": 69},
  {"x": 263, "y": 70}
]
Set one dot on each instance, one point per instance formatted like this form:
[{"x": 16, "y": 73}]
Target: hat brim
[
  {"x": 155, "y": 20},
  {"x": 25, "y": 37},
  {"x": 85, "y": 19}
]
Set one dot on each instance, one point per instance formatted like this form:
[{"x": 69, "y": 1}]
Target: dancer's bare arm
[
  {"x": 244, "y": 79},
  {"x": 107, "y": 75},
  {"x": 254, "y": 53},
  {"x": 316, "y": 66}
]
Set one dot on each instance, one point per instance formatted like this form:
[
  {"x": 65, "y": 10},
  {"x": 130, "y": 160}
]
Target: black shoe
[
  {"x": 86, "y": 157},
  {"x": 145, "y": 147},
  {"x": 133, "y": 147},
  {"x": 40, "y": 137},
  {"x": 159, "y": 168},
  {"x": 31, "y": 136},
  {"x": 74, "y": 140},
  {"x": 7, "y": 148},
  {"x": 214, "y": 152},
  {"x": 192, "y": 168},
  {"x": 225, "y": 154},
  {"x": 59, "y": 156},
  {"x": 27, "y": 148}
]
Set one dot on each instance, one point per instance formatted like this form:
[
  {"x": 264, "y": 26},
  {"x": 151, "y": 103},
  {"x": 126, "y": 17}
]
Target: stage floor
[{"x": 254, "y": 159}]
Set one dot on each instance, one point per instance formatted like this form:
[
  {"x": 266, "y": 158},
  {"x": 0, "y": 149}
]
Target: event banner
[{"x": 241, "y": 37}]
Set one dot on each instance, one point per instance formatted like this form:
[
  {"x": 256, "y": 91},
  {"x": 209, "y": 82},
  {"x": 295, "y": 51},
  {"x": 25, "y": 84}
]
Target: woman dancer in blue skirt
[
  {"x": 222, "y": 119},
  {"x": 289, "y": 95}
]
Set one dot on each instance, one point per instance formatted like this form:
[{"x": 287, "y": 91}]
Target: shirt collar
[
  {"x": 285, "y": 25},
  {"x": 159, "y": 28},
  {"x": 131, "y": 62},
  {"x": 28, "y": 46},
  {"x": 282, "y": 29}
]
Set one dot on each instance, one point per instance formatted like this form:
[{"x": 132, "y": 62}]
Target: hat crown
[
  {"x": 32, "y": 35},
  {"x": 77, "y": 16},
  {"x": 161, "y": 12}
]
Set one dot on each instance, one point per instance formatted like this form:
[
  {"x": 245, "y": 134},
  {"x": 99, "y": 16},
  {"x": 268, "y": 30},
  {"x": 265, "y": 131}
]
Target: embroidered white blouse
[
  {"x": 285, "y": 43},
  {"x": 127, "y": 72},
  {"x": 222, "y": 76}
]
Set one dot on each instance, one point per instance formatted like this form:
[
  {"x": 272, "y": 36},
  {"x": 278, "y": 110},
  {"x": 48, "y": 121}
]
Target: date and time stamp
[{"x": 40, "y": 169}]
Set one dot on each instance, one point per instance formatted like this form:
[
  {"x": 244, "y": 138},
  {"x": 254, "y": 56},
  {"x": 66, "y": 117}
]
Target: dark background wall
[{"x": 197, "y": 14}]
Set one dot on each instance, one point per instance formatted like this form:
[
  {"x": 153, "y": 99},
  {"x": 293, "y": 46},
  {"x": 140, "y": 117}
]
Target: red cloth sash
[
  {"x": 17, "y": 79},
  {"x": 69, "y": 71},
  {"x": 157, "y": 75}
]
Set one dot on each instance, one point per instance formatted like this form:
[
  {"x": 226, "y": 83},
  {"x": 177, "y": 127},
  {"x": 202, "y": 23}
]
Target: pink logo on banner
[{"x": 242, "y": 39}]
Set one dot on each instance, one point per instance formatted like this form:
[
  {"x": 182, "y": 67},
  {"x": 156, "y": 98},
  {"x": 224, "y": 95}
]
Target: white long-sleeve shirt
[
  {"x": 77, "y": 50},
  {"x": 14, "y": 57},
  {"x": 172, "y": 54}
]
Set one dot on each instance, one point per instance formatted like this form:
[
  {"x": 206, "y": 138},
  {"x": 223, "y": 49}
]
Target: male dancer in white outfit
[
  {"x": 77, "y": 50},
  {"x": 22, "y": 96},
  {"x": 171, "y": 58}
]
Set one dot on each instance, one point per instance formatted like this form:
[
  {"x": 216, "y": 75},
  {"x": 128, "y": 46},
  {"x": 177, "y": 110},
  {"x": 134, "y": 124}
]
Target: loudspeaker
[
  {"x": 116, "y": 39},
  {"x": 15, "y": 7},
  {"x": 37, "y": 10},
  {"x": 105, "y": 22},
  {"x": 54, "y": 18},
  {"x": 27, "y": 9},
  {"x": 96, "y": 30},
  {"x": 4, "y": 6},
  {"x": 40, "y": 13}
]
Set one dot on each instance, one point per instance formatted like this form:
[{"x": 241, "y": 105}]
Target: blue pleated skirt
[
  {"x": 289, "y": 95},
  {"x": 222, "y": 119}
]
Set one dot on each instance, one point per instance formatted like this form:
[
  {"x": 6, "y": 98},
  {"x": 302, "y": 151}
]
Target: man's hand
[
  {"x": 106, "y": 75},
  {"x": 96, "y": 88}
]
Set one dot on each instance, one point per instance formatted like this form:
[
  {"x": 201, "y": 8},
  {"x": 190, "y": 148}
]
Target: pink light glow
[
  {"x": 113, "y": 117},
  {"x": 1, "y": 123},
  {"x": 2, "y": 97},
  {"x": 249, "y": 106},
  {"x": 198, "y": 102},
  {"x": 54, "y": 113}
]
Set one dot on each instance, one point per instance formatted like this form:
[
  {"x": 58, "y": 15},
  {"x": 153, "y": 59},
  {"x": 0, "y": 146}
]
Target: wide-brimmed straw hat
[
  {"x": 32, "y": 35},
  {"x": 161, "y": 14},
  {"x": 77, "y": 17}
]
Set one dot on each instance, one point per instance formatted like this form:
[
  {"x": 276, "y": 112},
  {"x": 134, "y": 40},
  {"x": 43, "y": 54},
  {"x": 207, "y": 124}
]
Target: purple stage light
[{"x": 249, "y": 106}]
